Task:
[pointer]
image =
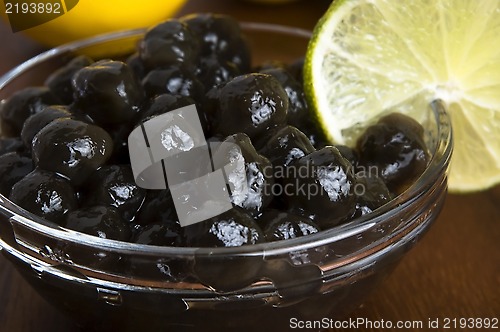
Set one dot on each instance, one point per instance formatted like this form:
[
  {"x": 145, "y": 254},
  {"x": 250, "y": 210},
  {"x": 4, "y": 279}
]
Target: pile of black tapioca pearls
[{"x": 64, "y": 154}]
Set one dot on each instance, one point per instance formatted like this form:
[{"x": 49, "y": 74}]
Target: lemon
[
  {"x": 368, "y": 57},
  {"x": 93, "y": 17}
]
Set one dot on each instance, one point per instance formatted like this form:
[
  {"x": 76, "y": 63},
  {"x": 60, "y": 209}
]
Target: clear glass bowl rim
[{"x": 439, "y": 161}]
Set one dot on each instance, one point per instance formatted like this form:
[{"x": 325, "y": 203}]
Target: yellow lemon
[{"x": 86, "y": 18}]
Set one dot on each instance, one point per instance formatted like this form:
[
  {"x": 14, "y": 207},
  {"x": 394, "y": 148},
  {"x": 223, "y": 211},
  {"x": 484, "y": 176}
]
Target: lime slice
[{"x": 368, "y": 57}]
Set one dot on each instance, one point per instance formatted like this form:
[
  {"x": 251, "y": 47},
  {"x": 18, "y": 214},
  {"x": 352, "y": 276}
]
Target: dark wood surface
[{"x": 453, "y": 272}]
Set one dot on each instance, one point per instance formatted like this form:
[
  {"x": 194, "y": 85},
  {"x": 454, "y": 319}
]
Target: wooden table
[{"x": 452, "y": 273}]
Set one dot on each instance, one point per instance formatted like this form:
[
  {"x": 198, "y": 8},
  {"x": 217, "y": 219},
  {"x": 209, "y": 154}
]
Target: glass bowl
[{"x": 110, "y": 285}]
